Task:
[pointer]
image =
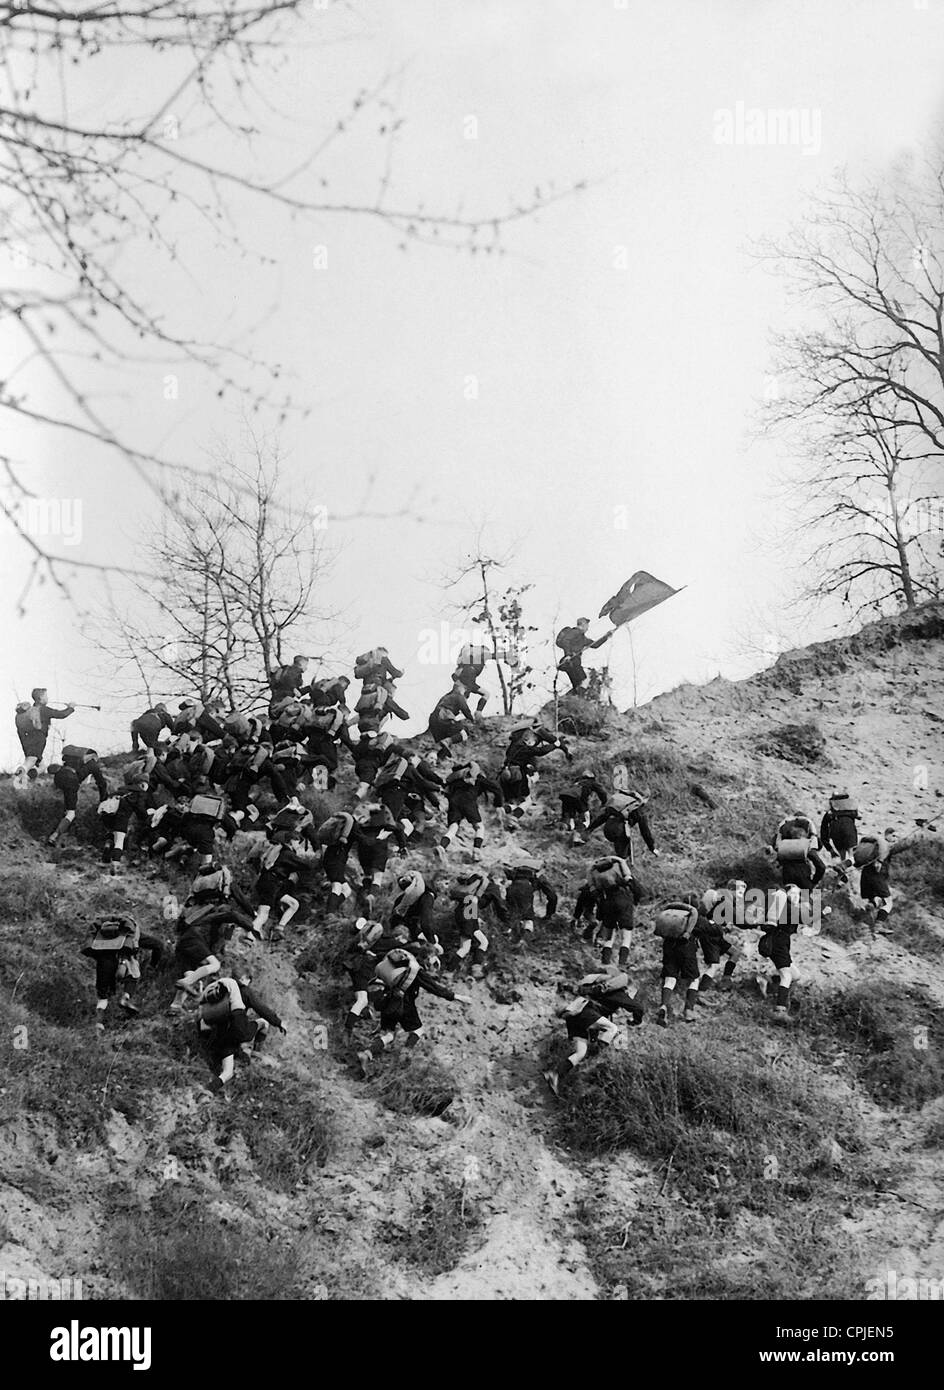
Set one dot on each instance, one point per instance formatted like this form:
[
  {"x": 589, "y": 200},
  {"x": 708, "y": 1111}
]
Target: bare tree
[
  {"x": 156, "y": 170},
  {"x": 499, "y": 612},
  {"x": 860, "y": 396},
  {"x": 238, "y": 570},
  {"x": 863, "y": 515}
]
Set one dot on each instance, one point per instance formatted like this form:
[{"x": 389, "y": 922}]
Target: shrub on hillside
[
  {"x": 286, "y": 1127},
  {"x": 579, "y": 717},
  {"x": 438, "y": 1232},
  {"x": 58, "y": 983},
  {"x": 415, "y": 1085},
  {"x": 309, "y": 960},
  {"x": 691, "y": 1253},
  {"x": 58, "y": 997},
  {"x": 52, "y": 984},
  {"x": 40, "y": 810},
  {"x": 76, "y": 1079},
  {"x": 794, "y": 743},
  {"x": 27, "y": 893},
  {"x": 720, "y": 1119},
  {"x": 934, "y": 1133},
  {"x": 846, "y": 922},
  {"x": 78, "y": 904},
  {"x": 175, "y": 1249},
  {"x": 751, "y": 865},
  {"x": 895, "y": 1033},
  {"x": 918, "y": 930},
  {"x": 919, "y": 871},
  {"x": 658, "y": 768}
]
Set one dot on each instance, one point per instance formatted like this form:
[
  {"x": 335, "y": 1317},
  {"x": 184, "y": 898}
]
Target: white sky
[{"x": 599, "y": 387}]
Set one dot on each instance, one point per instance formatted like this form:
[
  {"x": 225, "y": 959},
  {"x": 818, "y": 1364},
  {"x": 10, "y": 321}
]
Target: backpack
[
  {"x": 625, "y": 801},
  {"x": 247, "y": 758},
  {"x": 187, "y": 716},
  {"x": 397, "y": 971},
  {"x": 210, "y": 807},
  {"x": 135, "y": 772},
  {"x": 794, "y": 830},
  {"x": 869, "y": 850},
  {"x": 469, "y": 885},
  {"x": 566, "y": 636},
  {"x": 109, "y": 806},
  {"x": 608, "y": 873},
  {"x": 575, "y": 1007},
  {"x": 522, "y": 871},
  {"x": 469, "y": 773},
  {"x": 791, "y": 848},
  {"x": 72, "y": 752},
  {"x": 270, "y": 856},
  {"x": 201, "y": 760},
  {"x": 111, "y": 933},
  {"x": 372, "y": 697},
  {"x": 328, "y": 720},
  {"x": 291, "y": 818},
  {"x": 322, "y": 685},
  {"x": 409, "y": 893},
  {"x": 365, "y": 663},
  {"x": 676, "y": 921},
  {"x": 616, "y": 829},
  {"x": 842, "y": 803},
  {"x": 207, "y": 883},
  {"x": 606, "y": 984},
  {"x": 286, "y": 751},
  {"x": 193, "y": 915},
  {"x": 392, "y": 771},
  {"x": 237, "y": 724},
  {"x": 512, "y": 775},
  {"x": 287, "y": 713},
  {"x": 335, "y": 828}
]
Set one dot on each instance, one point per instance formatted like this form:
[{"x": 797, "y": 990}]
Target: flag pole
[{"x": 632, "y": 657}]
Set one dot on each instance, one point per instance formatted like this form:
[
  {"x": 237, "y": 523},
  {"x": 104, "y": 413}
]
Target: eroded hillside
[{"x": 726, "y": 1159}]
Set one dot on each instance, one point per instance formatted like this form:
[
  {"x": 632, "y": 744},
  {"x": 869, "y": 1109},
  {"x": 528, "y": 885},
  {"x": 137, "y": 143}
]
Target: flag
[{"x": 640, "y": 593}]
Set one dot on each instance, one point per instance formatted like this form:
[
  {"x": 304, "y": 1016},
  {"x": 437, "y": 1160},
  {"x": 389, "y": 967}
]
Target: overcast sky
[{"x": 589, "y": 396}]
